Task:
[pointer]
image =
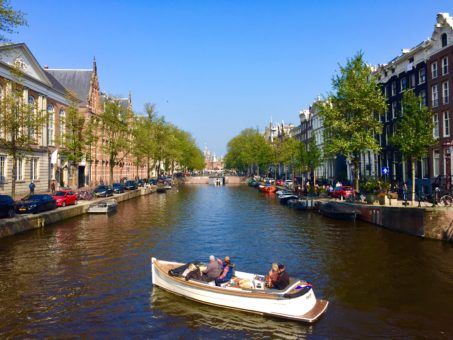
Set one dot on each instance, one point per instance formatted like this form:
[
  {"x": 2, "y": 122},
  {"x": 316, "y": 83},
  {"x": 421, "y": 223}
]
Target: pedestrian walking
[
  {"x": 32, "y": 188},
  {"x": 52, "y": 188}
]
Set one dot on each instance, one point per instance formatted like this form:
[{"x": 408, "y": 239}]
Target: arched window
[
  {"x": 62, "y": 117},
  {"x": 51, "y": 124},
  {"x": 31, "y": 129},
  {"x": 444, "y": 39}
]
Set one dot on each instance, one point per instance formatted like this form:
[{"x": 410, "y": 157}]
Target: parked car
[
  {"x": 7, "y": 206},
  {"x": 130, "y": 185},
  {"x": 153, "y": 181},
  {"x": 288, "y": 183},
  {"x": 35, "y": 203},
  {"x": 140, "y": 183},
  {"x": 280, "y": 182},
  {"x": 103, "y": 191},
  {"x": 65, "y": 197},
  {"x": 118, "y": 188},
  {"x": 342, "y": 192}
]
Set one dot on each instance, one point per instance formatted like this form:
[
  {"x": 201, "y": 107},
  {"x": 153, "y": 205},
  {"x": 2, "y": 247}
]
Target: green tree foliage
[
  {"x": 72, "y": 139},
  {"x": 248, "y": 152},
  {"x": 10, "y": 19},
  {"x": 414, "y": 131},
  {"x": 115, "y": 123},
  {"x": 290, "y": 154},
  {"x": 312, "y": 157},
  {"x": 21, "y": 123},
  {"x": 351, "y": 114}
]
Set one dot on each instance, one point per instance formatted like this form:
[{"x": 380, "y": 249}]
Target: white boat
[
  {"x": 103, "y": 207},
  {"x": 296, "y": 302}
]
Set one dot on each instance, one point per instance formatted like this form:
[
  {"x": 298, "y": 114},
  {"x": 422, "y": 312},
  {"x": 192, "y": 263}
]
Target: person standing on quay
[
  {"x": 32, "y": 188},
  {"x": 52, "y": 188}
]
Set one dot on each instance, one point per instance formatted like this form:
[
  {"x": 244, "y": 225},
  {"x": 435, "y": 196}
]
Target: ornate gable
[{"x": 19, "y": 55}]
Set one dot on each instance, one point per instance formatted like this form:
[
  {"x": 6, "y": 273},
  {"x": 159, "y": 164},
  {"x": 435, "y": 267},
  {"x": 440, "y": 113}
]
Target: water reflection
[{"x": 196, "y": 315}]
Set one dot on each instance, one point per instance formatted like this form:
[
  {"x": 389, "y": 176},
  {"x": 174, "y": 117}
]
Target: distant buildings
[{"x": 211, "y": 161}]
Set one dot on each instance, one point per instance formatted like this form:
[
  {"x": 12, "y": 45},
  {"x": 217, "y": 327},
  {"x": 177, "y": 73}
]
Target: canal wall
[
  {"x": 428, "y": 222},
  {"x": 21, "y": 223},
  {"x": 231, "y": 180}
]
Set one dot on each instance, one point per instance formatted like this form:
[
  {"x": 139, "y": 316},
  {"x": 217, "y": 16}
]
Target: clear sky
[{"x": 216, "y": 67}]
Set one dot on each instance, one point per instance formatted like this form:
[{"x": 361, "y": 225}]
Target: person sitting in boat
[
  {"x": 272, "y": 276},
  {"x": 283, "y": 278},
  {"x": 227, "y": 273},
  {"x": 213, "y": 270}
]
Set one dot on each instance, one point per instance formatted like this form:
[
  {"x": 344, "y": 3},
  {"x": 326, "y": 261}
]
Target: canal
[{"x": 90, "y": 276}]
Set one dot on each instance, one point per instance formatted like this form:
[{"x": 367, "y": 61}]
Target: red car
[
  {"x": 343, "y": 191},
  {"x": 280, "y": 182},
  {"x": 65, "y": 197}
]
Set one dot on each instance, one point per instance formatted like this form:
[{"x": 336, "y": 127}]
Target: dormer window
[{"x": 444, "y": 39}]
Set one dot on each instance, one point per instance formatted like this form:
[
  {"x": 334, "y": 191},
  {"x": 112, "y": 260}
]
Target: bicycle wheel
[{"x": 446, "y": 200}]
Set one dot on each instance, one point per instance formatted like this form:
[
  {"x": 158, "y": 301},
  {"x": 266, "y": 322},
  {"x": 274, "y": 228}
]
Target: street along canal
[{"x": 90, "y": 276}]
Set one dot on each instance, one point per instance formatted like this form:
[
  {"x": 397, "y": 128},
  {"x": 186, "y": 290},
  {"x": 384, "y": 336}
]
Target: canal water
[{"x": 90, "y": 276}]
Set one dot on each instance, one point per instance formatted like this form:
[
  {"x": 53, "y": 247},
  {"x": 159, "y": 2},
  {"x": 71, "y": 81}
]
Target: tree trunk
[
  {"x": 148, "y": 169},
  {"x": 413, "y": 180},
  {"x": 13, "y": 177},
  {"x": 356, "y": 174},
  {"x": 111, "y": 166},
  {"x": 314, "y": 178}
]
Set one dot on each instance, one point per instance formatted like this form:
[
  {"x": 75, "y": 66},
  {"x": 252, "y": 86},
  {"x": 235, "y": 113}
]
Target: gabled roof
[
  {"x": 9, "y": 53},
  {"x": 77, "y": 81}
]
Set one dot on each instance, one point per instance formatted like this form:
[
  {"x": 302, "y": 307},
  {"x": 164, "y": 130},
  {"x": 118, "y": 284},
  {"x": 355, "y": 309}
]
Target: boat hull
[{"x": 303, "y": 308}]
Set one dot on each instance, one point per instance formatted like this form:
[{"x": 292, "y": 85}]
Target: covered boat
[
  {"x": 339, "y": 211},
  {"x": 284, "y": 198},
  {"x": 103, "y": 207},
  {"x": 296, "y": 302},
  {"x": 300, "y": 204}
]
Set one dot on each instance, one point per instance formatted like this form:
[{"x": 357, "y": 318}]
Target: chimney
[{"x": 46, "y": 67}]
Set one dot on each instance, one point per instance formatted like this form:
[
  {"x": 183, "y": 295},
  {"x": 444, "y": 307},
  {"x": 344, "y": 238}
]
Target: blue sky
[{"x": 216, "y": 67}]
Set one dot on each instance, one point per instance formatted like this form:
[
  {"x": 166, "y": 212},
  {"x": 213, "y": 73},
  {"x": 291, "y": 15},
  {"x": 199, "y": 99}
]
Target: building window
[
  {"x": 394, "y": 109},
  {"x": 385, "y": 91},
  {"x": 421, "y": 76},
  {"x": 424, "y": 167},
  {"x": 423, "y": 97},
  {"x": 444, "y": 39},
  {"x": 403, "y": 84},
  {"x": 444, "y": 65},
  {"x": 446, "y": 124},
  {"x": 31, "y": 130},
  {"x": 436, "y": 162},
  {"x": 434, "y": 73},
  {"x": 19, "y": 169},
  {"x": 445, "y": 92},
  {"x": 435, "y": 95},
  {"x": 51, "y": 124},
  {"x": 412, "y": 80},
  {"x": 34, "y": 169},
  {"x": 435, "y": 126},
  {"x": 2, "y": 168},
  {"x": 393, "y": 88},
  {"x": 62, "y": 117},
  {"x": 387, "y": 134}
]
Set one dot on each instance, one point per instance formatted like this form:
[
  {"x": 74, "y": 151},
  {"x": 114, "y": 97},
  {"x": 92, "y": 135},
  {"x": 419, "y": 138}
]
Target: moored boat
[
  {"x": 299, "y": 204},
  {"x": 296, "y": 302},
  {"x": 103, "y": 207},
  {"x": 339, "y": 211},
  {"x": 284, "y": 198},
  {"x": 268, "y": 188}
]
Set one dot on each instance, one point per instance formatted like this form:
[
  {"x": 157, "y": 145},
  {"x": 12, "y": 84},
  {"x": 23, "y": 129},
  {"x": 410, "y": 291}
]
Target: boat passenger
[
  {"x": 272, "y": 276},
  {"x": 283, "y": 278},
  {"x": 227, "y": 273},
  {"x": 213, "y": 270}
]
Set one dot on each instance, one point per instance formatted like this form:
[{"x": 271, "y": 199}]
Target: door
[{"x": 81, "y": 177}]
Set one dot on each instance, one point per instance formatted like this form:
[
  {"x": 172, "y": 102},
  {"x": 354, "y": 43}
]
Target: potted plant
[
  {"x": 370, "y": 187},
  {"x": 384, "y": 187}
]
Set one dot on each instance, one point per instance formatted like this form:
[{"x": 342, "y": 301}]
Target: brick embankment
[
  {"x": 21, "y": 223},
  {"x": 425, "y": 221}
]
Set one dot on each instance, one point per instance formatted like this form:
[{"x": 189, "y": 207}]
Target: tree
[
  {"x": 21, "y": 122},
  {"x": 72, "y": 138},
  {"x": 311, "y": 157},
  {"x": 351, "y": 113},
  {"x": 115, "y": 121},
  {"x": 10, "y": 19},
  {"x": 289, "y": 154},
  {"x": 414, "y": 132},
  {"x": 91, "y": 136}
]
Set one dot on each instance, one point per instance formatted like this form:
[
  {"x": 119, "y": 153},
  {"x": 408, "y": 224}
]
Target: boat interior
[{"x": 240, "y": 282}]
